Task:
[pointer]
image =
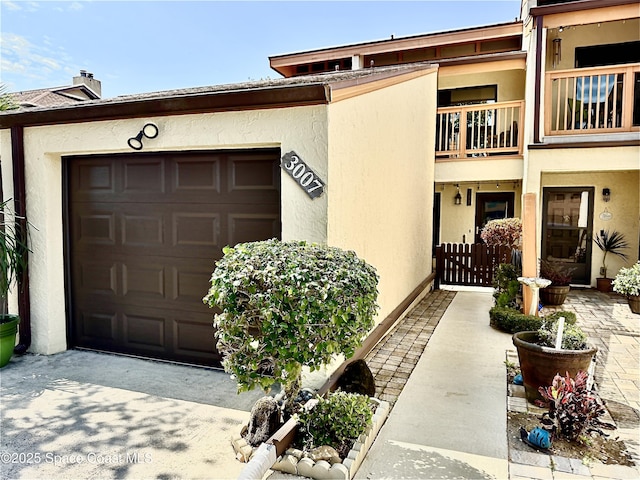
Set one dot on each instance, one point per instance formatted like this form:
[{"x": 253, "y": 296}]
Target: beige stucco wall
[
  {"x": 380, "y": 184},
  {"x": 573, "y": 36},
  {"x": 510, "y": 83},
  {"x": 624, "y": 206},
  {"x": 302, "y": 129},
  {"x": 617, "y": 168},
  {"x": 458, "y": 222}
]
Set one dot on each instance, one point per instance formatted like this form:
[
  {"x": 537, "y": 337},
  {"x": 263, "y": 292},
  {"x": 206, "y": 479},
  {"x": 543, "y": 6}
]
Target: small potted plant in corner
[
  {"x": 540, "y": 361},
  {"x": 13, "y": 264},
  {"x": 560, "y": 276},
  {"x": 609, "y": 242},
  {"x": 627, "y": 282}
]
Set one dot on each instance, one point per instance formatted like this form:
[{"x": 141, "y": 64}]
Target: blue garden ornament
[
  {"x": 539, "y": 437},
  {"x": 517, "y": 380}
]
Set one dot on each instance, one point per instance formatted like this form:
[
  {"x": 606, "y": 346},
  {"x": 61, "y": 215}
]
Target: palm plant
[
  {"x": 13, "y": 252},
  {"x": 611, "y": 242},
  {"x": 6, "y": 101}
]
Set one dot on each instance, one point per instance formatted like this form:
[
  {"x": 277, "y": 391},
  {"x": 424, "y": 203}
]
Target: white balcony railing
[
  {"x": 592, "y": 100},
  {"x": 491, "y": 129}
]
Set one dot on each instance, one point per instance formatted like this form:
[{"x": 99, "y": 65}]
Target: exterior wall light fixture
[
  {"x": 457, "y": 200},
  {"x": 150, "y": 130},
  {"x": 606, "y": 194}
]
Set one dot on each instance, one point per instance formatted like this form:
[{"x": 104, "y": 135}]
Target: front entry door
[
  {"x": 567, "y": 226},
  {"x": 492, "y": 206}
]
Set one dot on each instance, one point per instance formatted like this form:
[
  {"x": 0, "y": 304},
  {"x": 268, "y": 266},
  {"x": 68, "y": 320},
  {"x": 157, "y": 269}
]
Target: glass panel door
[
  {"x": 567, "y": 226},
  {"x": 492, "y": 206}
]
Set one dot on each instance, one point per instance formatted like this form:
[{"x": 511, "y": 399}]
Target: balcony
[
  {"x": 598, "y": 100},
  {"x": 492, "y": 130}
]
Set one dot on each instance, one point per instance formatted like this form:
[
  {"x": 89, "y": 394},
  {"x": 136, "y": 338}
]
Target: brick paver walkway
[
  {"x": 394, "y": 358},
  {"x": 611, "y": 326}
]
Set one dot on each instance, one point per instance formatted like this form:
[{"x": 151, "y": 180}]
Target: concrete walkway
[
  {"x": 79, "y": 415},
  {"x": 449, "y": 413},
  {"x": 449, "y": 420}
]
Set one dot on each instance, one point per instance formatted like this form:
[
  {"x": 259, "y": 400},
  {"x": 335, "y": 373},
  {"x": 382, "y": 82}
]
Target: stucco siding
[
  {"x": 302, "y": 129},
  {"x": 380, "y": 190},
  {"x": 624, "y": 206}
]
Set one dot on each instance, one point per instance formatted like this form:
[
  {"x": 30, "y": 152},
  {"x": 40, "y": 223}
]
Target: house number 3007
[{"x": 302, "y": 174}]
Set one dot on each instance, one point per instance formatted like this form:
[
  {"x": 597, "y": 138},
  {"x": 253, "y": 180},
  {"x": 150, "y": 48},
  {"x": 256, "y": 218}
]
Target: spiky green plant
[
  {"x": 611, "y": 242},
  {"x": 13, "y": 251}
]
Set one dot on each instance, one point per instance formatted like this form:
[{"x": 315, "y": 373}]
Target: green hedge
[{"x": 512, "y": 321}]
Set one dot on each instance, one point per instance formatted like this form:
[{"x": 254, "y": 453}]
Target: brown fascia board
[
  {"x": 489, "y": 57},
  {"x": 391, "y": 45},
  {"x": 578, "y": 6},
  {"x": 171, "y": 104}
]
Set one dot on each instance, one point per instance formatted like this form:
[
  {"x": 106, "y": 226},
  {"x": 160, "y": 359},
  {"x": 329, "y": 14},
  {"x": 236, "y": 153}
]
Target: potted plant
[
  {"x": 627, "y": 282},
  {"x": 13, "y": 263},
  {"x": 609, "y": 242},
  {"x": 540, "y": 361},
  {"x": 560, "y": 276}
]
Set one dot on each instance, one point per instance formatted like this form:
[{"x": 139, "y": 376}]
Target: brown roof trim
[
  {"x": 578, "y": 6},
  {"x": 207, "y": 102},
  {"x": 484, "y": 32},
  {"x": 610, "y": 143},
  {"x": 489, "y": 57}
]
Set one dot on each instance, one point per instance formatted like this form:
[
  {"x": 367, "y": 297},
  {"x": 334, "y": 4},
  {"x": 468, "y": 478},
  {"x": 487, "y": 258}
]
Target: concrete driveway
[{"x": 80, "y": 414}]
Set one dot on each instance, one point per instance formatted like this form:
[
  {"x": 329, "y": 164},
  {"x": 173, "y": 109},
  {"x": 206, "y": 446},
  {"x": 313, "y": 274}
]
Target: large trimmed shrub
[
  {"x": 285, "y": 305},
  {"x": 513, "y": 321}
]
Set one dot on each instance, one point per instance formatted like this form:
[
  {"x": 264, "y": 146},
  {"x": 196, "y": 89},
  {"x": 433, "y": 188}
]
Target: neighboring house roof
[
  {"x": 276, "y": 93},
  {"x": 49, "y": 97}
]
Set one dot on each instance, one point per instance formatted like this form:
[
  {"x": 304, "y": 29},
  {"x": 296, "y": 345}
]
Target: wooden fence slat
[{"x": 469, "y": 264}]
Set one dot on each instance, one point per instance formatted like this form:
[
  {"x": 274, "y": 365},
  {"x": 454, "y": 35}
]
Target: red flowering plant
[{"x": 504, "y": 231}]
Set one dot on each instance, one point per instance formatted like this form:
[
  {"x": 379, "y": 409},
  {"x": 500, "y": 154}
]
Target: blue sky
[{"x": 148, "y": 46}]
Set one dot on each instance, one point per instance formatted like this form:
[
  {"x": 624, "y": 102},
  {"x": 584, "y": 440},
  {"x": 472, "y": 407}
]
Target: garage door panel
[
  {"x": 191, "y": 282},
  {"x": 245, "y": 227},
  {"x": 95, "y": 176},
  {"x": 192, "y": 338},
  {"x": 97, "y": 327},
  {"x": 142, "y": 230},
  {"x": 97, "y": 278},
  {"x": 251, "y": 174},
  {"x": 95, "y": 228},
  {"x": 144, "y": 235},
  {"x": 144, "y": 177},
  {"x": 196, "y": 174},
  {"x": 196, "y": 229},
  {"x": 146, "y": 279},
  {"x": 147, "y": 332}
]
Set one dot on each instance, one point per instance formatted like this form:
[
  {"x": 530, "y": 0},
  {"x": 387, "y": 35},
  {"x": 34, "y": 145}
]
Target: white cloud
[
  {"x": 11, "y": 5},
  {"x": 40, "y": 63}
]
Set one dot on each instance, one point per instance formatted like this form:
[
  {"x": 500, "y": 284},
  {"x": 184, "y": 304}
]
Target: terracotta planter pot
[
  {"x": 540, "y": 364},
  {"x": 8, "y": 331},
  {"x": 604, "y": 284},
  {"x": 634, "y": 303},
  {"x": 554, "y": 294}
]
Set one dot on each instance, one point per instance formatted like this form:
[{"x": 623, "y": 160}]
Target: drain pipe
[{"x": 20, "y": 202}]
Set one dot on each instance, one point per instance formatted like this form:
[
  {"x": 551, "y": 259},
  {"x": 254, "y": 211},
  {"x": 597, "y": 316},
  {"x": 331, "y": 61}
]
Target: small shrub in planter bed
[
  {"x": 573, "y": 338},
  {"x": 572, "y": 408},
  {"x": 337, "y": 420},
  {"x": 512, "y": 321},
  {"x": 506, "y": 286}
]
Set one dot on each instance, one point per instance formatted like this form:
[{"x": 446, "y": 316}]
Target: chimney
[{"x": 86, "y": 78}]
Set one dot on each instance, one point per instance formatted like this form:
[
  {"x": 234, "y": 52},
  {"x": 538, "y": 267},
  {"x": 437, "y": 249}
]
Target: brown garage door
[{"x": 144, "y": 234}]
